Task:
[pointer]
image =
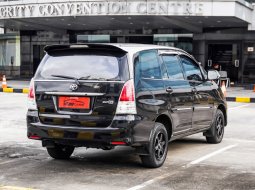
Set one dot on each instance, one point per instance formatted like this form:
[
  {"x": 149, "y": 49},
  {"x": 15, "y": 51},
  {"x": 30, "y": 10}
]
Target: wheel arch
[
  {"x": 167, "y": 122},
  {"x": 224, "y": 111}
]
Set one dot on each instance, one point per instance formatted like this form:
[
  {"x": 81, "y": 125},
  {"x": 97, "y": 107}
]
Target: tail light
[
  {"x": 118, "y": 143},
  {"x": 126, "y": 104},
  {"x": 31, "y": 96}
]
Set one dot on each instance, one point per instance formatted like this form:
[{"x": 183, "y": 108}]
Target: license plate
[{"x": 68, "y": 102}]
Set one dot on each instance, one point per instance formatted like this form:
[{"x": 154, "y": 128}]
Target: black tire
[
  {"x": 157, "y": 148},
  {"x": 217, "y": 129},
  {"x": 60, "y": 152}
]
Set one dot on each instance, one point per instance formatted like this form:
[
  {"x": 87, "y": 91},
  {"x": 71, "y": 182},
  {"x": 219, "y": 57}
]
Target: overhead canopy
[{"x": 113, "y": 15}]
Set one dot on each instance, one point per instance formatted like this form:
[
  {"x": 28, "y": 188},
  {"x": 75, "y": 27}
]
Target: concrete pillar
[{"x": 199, "y": 51}]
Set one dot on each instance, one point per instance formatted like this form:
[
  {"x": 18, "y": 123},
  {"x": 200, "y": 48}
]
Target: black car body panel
[{"x": 103, "y": 102}]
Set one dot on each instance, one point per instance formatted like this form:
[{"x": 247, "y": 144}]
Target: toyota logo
[{"x": 73, "y": 87}]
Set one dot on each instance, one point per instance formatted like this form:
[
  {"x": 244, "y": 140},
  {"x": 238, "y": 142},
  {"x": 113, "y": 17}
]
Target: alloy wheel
[
  {"x": 160, "y": 146},
  {"x": 219, "y": 126}
]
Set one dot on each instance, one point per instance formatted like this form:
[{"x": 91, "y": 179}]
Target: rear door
[
  {"x": 179, "y": 94},
  {"x": 151, "y": 97},
  {"x": 80, "y": 87},
  {"x": 203, "y": 100}
]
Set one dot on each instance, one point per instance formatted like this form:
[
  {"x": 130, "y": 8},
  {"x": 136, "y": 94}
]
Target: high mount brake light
[
  {"x": 126, "y": 104},
  {"x": 31, "y": 96}
]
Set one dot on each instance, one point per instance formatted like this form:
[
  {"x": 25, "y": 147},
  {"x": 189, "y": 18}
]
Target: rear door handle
[{"x": 169, "y": 90}]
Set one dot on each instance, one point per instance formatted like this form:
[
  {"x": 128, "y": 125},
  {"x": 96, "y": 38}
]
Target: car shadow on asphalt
[{"x": 120, "y": 157}]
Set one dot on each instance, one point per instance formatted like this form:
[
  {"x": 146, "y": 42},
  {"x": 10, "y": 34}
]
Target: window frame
[
  {"x": 179, "y": 62},
  {"x": 195, "y": 63}
]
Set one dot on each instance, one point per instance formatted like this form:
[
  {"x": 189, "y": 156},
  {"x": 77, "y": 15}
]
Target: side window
[
  {"x": 164, "y": 71},
  {"x": 191, "y": 69},
  {"x": 148, "y": 65},
  {"x": 173, "y": 67}
]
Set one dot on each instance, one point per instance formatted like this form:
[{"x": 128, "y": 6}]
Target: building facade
[{"x": 219, "y": 33}]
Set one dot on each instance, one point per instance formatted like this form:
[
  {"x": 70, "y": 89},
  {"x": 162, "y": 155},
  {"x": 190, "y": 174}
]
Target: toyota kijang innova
[{"x": 107, "y": 95}]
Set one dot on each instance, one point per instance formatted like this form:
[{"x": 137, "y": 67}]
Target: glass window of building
[
  {"x": 93, "y": 38},
  {"x": 182, "y": 41},
  {"x": 10, "y": 54}
]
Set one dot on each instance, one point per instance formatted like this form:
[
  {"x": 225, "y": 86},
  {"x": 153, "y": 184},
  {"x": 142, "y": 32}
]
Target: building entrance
[{"x": 225, "y": 57}]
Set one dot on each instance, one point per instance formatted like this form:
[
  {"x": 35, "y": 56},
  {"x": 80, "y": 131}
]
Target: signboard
[
  {"x": 250, "y": 49},
  {"x": 83, "y": 8}
]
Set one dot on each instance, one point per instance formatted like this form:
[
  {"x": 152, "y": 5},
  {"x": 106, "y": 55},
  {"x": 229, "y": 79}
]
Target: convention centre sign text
[{"x": 84, "y": 8}]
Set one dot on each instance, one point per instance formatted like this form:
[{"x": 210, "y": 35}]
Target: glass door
[{"x": 224, "y": 57}]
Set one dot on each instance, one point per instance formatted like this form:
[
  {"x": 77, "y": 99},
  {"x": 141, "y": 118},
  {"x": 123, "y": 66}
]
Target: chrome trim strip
[
  {"x": 181, "y": 109},
  {"x": 73, "y": 113},
  {"x": 75, "y": 93},
  {"x": 181, "y": 131},
  {"x": 150, "y": 78},
  {"x": 203, "y": 108},
  {"x": 168, "y": 52},
  {"x": 55, "y": 116},
  {"x": 66, "y": 80}
]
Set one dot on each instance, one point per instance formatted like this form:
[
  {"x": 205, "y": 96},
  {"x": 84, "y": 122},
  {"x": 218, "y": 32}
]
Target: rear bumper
[
  {"x": 79, "y": 136},
  {"x": 120, "y": 133}
]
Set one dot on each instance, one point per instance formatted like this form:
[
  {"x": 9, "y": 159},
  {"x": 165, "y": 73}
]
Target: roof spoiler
[{"x": 52, "y": 48}]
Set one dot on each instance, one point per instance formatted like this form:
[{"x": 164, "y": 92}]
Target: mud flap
[
  {"x": 142, "y": 136},
  {"x": 142, "y": 132},
  {"x": 210, "y": 132}
]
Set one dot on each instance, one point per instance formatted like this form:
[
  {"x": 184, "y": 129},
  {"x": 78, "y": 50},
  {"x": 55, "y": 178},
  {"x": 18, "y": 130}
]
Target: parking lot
[{"x": 191, "y": 162}]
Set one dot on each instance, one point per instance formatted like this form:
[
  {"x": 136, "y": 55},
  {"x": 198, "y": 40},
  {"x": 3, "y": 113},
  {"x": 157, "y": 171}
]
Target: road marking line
[
  {"x": 211, "y": 155},
  {"x": 9, "y": 161},
  {"x": 237, "y": 107},
  {"x": 14, "y": 188},
  {"x": 240, "y": 140},
  {"x": 149, "y": 182}
]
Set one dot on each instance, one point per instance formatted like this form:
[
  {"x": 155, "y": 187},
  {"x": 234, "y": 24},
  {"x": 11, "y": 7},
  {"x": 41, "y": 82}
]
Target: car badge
[{"x": 73, "y": 87}]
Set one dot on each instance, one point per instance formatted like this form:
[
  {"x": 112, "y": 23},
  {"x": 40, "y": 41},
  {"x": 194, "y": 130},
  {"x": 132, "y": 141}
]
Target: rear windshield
[{"x": 84, "y": 65}]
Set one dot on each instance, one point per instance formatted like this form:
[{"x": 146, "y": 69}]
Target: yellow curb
[
  {"x": 25, "y": 90},
  {"x": 8, "y": 90},
  {"x": 243, "y": 99},
  {"x": 14, "y": 188}
]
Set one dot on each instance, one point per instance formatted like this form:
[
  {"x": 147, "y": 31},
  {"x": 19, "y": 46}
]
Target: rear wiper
[
  {"x": 95, "y": 78},
  {"x": 77, "y": 80},
  {"x": 90, "y": 78},
  {"x": 67, "y": 77}
]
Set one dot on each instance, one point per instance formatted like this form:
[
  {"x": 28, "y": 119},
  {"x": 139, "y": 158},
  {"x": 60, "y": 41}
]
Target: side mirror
[{"x": 213, "y": 75}]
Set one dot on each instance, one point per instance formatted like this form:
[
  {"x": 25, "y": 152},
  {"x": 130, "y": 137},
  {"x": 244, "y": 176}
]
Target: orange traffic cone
[
  {"x": 4, "y": 83},
  {"x": 223, "y": 88}
]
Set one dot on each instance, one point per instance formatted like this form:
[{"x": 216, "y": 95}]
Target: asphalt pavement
[{"x": 191, "y": 162}]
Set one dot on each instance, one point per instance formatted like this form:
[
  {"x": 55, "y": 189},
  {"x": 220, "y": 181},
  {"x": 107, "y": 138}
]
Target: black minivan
[{"x": 107, "y": 95}]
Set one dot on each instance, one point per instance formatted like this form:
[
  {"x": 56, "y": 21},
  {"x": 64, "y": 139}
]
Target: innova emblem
[{"x": 73, "y": 87}]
